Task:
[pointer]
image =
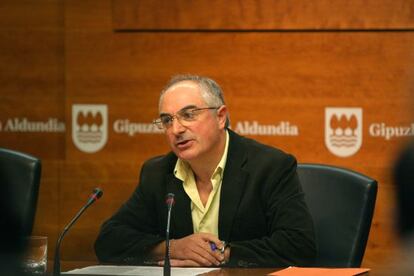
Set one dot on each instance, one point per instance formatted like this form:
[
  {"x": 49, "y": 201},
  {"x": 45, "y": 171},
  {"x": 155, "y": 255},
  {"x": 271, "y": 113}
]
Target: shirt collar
[{"x": 182, "y": 168}]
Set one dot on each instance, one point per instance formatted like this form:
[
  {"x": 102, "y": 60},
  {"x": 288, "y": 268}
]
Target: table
[
  {"x": 231, "y": 272},
  {"x": 66, "y": 266},
  {"x": 224, "y": 272}
]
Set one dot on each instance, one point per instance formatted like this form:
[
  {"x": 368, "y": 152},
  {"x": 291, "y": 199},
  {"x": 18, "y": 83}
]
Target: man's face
[{"x": 199, "y": 138}]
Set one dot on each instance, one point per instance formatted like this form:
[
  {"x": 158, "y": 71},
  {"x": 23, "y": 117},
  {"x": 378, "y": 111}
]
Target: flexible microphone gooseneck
[
  {"x": 167, "y": 266},
  {"x": 97, "y": 193}
]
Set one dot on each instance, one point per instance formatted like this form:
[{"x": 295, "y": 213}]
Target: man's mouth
[{"x": 183, "y": 144}]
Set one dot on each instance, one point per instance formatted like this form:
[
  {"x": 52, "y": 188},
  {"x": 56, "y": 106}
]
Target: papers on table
[
  {"x": 316, "y": 271},
  {"x": 138, "y": 270}
]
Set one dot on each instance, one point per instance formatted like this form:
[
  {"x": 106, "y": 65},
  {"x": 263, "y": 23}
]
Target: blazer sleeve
[
  {"x": 133, "y": 230},
  {"x": 289, "y": 238}
]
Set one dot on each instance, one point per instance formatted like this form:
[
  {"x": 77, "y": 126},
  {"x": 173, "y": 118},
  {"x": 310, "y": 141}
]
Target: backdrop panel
[{"x": 261, "y": 15}]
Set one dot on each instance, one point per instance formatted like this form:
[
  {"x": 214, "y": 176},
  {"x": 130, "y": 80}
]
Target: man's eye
[
  {"x": 187, "y": 115},
  {"x": 166, "y": 119}
]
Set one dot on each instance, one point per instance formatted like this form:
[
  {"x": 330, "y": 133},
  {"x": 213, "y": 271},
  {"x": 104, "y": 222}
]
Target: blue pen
[{"x": 213, "y": 246}]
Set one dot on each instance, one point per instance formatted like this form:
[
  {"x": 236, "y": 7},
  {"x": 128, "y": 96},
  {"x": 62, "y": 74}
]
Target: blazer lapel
[
  {"x": 233, "y": 184},
  {"x": 181, "y": 221}
]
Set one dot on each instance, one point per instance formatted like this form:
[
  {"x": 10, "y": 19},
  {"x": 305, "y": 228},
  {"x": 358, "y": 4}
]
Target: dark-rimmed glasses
[{"x": 184, "y": 116}]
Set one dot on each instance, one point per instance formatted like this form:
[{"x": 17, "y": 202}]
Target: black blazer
[{"x": 262, "y": 212}]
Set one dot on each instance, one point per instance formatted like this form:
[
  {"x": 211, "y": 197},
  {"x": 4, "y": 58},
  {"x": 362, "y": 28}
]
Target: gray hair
[{"x": 210, "y": 90}]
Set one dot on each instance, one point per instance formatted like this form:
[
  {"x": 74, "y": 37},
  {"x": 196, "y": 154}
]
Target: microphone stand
[
  {"x": 167, "y": 265},
  {"x": 56, "y": 265}
]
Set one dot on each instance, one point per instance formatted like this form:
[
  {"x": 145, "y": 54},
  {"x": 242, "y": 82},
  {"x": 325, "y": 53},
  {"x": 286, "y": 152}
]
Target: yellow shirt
[{"x": 205, "y": 218}]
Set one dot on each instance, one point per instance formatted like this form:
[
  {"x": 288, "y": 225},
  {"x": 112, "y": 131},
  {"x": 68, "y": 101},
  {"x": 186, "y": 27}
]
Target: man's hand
[{"x": 195, "y": 250}]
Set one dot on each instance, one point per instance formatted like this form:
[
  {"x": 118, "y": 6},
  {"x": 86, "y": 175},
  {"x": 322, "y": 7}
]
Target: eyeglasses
[{"x": 184, "y": 116}]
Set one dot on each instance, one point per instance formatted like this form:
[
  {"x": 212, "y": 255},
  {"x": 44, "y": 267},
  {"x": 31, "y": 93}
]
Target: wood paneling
[
  {"x": 31, "y": 78},
  {"x": 117, "y": 180},
  {"x": 262, "y": 15},
  {"x": 284, "y": 86},
  {"x": 67, "y": 53},
  {"x": 31, "y": 15},
  {"x": 32, "y": 88}
]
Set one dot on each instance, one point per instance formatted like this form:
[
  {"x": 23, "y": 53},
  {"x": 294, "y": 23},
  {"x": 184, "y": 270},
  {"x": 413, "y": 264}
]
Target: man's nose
[{"x": 177, "y": 127}]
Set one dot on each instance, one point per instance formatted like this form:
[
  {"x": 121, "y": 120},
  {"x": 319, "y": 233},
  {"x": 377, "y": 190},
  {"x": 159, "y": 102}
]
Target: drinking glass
[{"x": 35, "y": 257}]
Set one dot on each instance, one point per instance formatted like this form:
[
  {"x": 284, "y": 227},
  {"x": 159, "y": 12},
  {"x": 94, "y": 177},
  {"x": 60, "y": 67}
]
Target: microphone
[
  {"x": 97, "y": 193},
  {"x": 167, "y": 266}
]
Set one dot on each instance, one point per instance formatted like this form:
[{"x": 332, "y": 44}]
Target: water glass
[{"x": 35, "y": 257}]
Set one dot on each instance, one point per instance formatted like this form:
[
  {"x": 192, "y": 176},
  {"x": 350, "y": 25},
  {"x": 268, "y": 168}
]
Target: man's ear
[{"x": 222, "y": 116}]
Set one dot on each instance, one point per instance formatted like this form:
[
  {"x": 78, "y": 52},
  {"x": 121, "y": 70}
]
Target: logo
[
  {"x": 389, "y": 132},
  {"x": 283, "y": 128},
  {"x": 16, "y": 124},
  {"x": 343, "y": 130},
  {"x": 89, "y": 126},
  {"x": 131, "y": 128}
]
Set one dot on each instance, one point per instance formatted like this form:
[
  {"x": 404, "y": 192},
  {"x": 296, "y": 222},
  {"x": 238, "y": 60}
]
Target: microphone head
[
  {"x": 169, "y": 199},
  {"x": 97, "y": 193}
]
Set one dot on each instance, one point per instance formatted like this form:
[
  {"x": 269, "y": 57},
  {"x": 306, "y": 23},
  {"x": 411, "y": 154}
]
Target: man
[{"x": 238, "y": 202}]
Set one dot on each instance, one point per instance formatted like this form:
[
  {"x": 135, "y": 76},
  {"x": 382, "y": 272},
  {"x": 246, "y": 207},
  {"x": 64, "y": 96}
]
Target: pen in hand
[{"x": 213, "y": 246}]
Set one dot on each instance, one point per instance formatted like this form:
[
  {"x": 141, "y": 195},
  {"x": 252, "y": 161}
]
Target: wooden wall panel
[
  {"x": 31, "y": 78},
  {"x": 31, "y": 15},
  {"x": 331, "y": 77},
  {"x": 32, "y": 90},
  {"x": 261, "y": 15},
  {"x": 88, "y": 15},
  {"x": 117, "y": 179}
]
